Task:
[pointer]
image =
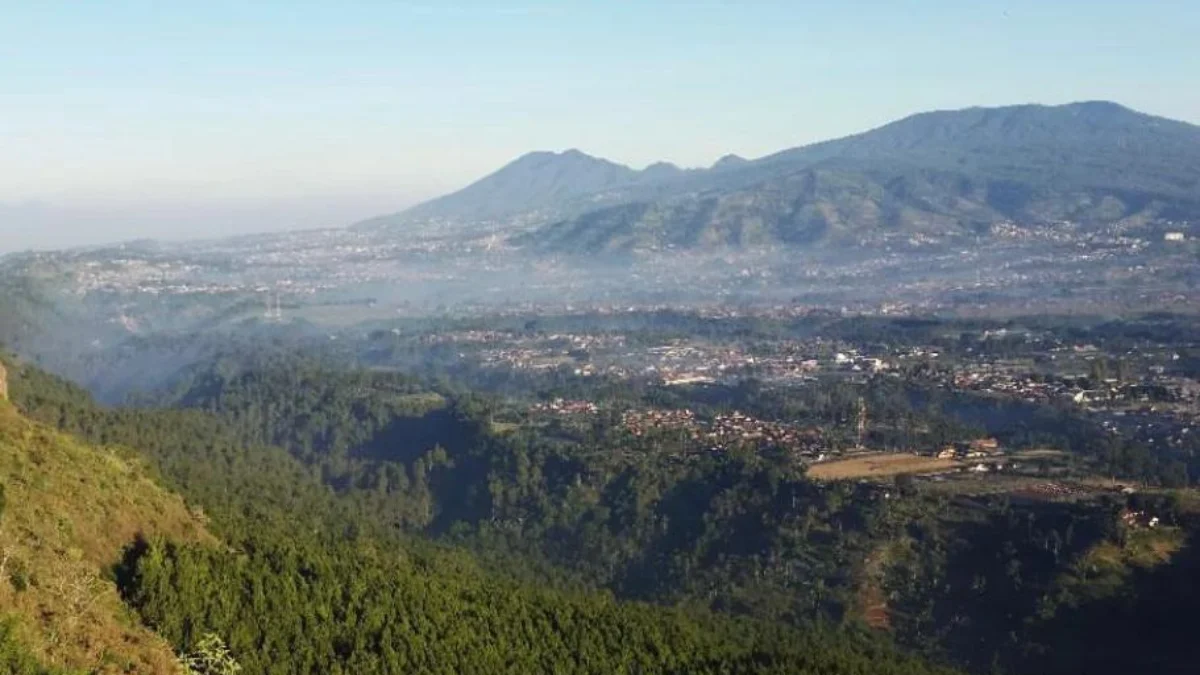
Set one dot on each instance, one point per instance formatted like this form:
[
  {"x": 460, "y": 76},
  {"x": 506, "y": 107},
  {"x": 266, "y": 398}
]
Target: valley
[
  {"x": 925, "y": 399},
  {"x": 745, "y": 464}
]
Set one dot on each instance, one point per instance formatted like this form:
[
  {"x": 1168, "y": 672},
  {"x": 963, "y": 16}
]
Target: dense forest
[
  {"x": 352, "y": 609},
  {"x": 321, "y": 475},
  {"x": 313, "y": 580}
]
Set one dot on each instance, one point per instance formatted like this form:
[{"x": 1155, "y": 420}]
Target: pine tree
[{"x": 210, "y": 657}]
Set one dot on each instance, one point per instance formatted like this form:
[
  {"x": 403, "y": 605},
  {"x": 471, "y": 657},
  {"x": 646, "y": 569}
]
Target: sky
[{"x": 176, "y": 120}]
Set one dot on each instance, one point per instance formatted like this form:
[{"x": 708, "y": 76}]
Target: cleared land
[{"x": 879, "y": 464}]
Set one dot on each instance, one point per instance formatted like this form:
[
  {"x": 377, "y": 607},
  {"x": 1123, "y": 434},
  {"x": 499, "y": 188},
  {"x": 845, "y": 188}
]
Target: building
[
  {"x": 983, "y": 446},
  {"x": 1174, "y": 236}
]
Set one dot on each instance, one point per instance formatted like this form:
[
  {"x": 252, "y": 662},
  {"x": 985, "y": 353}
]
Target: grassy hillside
[{"x": 69, "y": 511}]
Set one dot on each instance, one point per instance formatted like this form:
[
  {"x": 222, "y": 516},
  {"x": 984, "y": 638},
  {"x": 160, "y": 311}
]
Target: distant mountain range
[{"x": 936, "y": 173}]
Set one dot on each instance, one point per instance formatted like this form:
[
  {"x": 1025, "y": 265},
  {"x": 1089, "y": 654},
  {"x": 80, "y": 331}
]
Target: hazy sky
[{"x": 171, "y": 119}]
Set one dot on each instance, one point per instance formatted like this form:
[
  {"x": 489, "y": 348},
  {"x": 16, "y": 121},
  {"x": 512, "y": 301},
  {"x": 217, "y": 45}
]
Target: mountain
[
  {"x": 540, "y": 186},
  {"x": 1090, "y": 144},
  {"x": 938, "y": 173},
  {"x": 532, "y": 182}
]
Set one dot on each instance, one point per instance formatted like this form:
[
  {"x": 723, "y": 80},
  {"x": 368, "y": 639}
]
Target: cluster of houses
[
  {"x": 980, "y": 448},
  {"x": 852, "y": 361},
  {"x": 990, "y": 379},
  {"x": 791, "y": 361},
  {"x": 641, "y": 422},
  {"x": 739, "y": 429},
  {"x": 726, "y": 431},
  {"x": 467, "y": 337},
  {"x": 995, "y": 378},
  {"x": 564, "y": 407},
  {"x": 1139, "y": 519}
]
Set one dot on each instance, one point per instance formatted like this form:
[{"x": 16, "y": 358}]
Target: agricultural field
[{"x": 881, "y": 464}]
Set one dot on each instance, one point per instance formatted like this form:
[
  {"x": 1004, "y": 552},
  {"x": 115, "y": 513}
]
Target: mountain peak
[
  {"x": 979, "y": 132},
  {"x": 1100, "y": 106},
  {"x": 534, "y": 181},
  {"x": 659, "y": 170},
  {"x": 571, "y": 154},
  {"x": 730, "y": 161}
]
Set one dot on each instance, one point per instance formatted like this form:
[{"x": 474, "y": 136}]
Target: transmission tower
[
  {"x": 274, "y": 307},
  {"x": 861, "y": 430}
]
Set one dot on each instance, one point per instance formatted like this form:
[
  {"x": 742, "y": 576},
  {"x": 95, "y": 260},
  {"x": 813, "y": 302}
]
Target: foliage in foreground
[{"x": 288, "y": 607}]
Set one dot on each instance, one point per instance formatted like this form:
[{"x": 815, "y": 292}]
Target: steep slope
[{"x": 70, "y": 511}]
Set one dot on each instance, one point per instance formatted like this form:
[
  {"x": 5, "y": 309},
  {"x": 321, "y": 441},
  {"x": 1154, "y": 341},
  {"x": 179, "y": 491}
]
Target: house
[
  {"x": 1137, "y": 519},
  {"x": 1174, "y": 236},
  {"x": 984, "y": 446},
  {"x": 948, "y": 452}
]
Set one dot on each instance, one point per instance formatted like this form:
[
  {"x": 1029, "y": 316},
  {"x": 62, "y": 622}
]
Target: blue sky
[{"x": 180, "y": 119}]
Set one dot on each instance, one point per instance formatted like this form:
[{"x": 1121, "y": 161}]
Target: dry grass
[
  {"x": 880, "y": 464},
  {"x": 1105, "y": 569},
  {"x": 71, "y": 510},
  {"x": 1039, "y": 453},
  {"x": 871, "y": 600}
]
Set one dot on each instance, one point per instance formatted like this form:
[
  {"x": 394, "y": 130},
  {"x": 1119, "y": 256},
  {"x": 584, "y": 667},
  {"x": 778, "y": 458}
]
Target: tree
[
  {"x": 210, "y": 657},
  {"x": 905, "y": 484}
]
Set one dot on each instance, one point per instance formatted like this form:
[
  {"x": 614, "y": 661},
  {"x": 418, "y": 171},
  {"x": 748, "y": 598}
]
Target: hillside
[
  {"x": 307, "y": 584},
  {"x": 70, "y": 510},
  {"x": 941, "y": 173}
]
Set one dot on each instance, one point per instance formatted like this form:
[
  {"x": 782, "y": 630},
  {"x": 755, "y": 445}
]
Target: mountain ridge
[{"x": 944, "y": 171}]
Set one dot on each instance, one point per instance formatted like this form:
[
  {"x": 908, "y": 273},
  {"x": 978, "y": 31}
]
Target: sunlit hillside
[{"x": 69, "y": 511}]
